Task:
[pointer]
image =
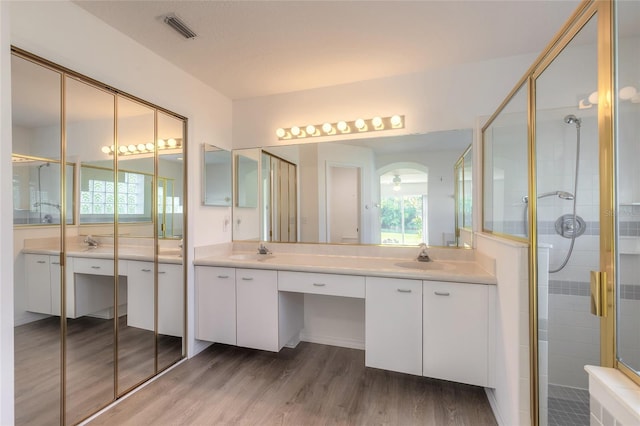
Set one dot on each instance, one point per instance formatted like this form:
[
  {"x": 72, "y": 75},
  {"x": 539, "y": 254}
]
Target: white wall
[
  {"x": 6, "y": 225},
  {"x": 510, "y": 398},
  {"x": 66, "y": 34}
]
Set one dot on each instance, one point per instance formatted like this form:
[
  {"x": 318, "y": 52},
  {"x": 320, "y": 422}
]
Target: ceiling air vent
[{"x": 177, "y": 24}]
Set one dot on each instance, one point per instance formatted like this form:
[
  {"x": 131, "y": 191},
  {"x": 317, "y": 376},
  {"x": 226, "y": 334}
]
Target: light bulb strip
[
  {"x": 141, "y": 148},
  {"x": 359, "y": 125}
]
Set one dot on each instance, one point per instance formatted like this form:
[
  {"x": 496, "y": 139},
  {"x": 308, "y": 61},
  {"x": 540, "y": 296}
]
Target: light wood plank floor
[{"x": 310, "y": 385}]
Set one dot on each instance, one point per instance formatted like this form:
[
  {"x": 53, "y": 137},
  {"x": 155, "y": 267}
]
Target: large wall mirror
[
  {"x": 395, "y": 190},
  {"x": 99, "y": 197}
]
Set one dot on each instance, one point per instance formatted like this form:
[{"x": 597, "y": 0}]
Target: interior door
[{"x": 343, "y": 204}]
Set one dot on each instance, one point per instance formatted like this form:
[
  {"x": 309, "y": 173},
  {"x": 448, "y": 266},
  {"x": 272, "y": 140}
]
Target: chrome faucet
[
  {"x": 423, "y": 256},
  {"x": 263, "y": 250},
  {"x": 92, "y": 242}
]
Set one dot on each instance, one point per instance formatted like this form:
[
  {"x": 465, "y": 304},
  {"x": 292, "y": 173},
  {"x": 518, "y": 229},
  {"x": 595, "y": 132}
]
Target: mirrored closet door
[{"x": 99, "y": 196}]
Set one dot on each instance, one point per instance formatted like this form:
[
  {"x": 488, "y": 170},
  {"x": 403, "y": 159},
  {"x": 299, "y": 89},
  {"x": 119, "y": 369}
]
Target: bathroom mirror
[
  {"x": 389, "y": 190},
  {"x": 216, "y": 176},
  {"x": 463, "y": 196}
]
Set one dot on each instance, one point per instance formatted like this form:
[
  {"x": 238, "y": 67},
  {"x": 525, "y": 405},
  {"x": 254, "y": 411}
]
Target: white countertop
[
  {"x": 143, "y": 253},
  {"x": 393, "y": 267}
]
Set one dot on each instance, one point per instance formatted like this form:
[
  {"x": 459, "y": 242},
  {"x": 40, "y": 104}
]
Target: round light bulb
[
  {"x": 123, "y": 149},
  {"x": 628, "y": 92},
  {"x": 311, "y": 130},
  {"x": 327, "y": 128},
  {"x": 377, "y": 122},
  {"x": 280, "y": 132},
  {"x": 106, "y": 149},
  {"x": 132, "y": 148},
  {"x": 593, "y": 98},
  {"x": 360, "y": 123},
  {"x": 295, "y": 131},
  {"x": 172, "y": 142},
  {"x": 160, "y": 143},
  {"x": 149, "y": 146},
  {"x": 396, "y": 120},
  {"x": 112, "y": 148},
  {"x": 141, "y": 147},
  {"x": 342, "y": 126}
]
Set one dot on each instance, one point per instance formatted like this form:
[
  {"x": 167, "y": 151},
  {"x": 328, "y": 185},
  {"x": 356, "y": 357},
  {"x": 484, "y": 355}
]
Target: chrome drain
[{"x": 566, "y": 228}]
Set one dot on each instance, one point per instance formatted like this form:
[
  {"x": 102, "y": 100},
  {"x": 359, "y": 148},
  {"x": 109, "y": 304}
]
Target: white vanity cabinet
[
  {"x": 140, "y": 297},
  {"x": 393, "y": 336},
  {"x": 457, "y": 335},
  {"x": 257, "y": 309},
  {"x": 216, "y": 304},
  {"x": 38, "y": 273},
  {"x": 170, "y": 299}
]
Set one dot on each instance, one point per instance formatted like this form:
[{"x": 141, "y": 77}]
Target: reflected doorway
[{"x": 343, "y": 203}]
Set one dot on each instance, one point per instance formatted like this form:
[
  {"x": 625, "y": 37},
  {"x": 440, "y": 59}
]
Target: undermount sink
[
  {"x": 250, "y": 256},
  {"x": 424, "y": 266}
]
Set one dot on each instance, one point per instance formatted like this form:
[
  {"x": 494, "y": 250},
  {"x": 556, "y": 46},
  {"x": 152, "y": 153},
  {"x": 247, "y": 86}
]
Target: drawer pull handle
[
  {"x": 247, "y": 279},
  {"x": 404, "y": 290},
  {"x": 441, "y": 293},
  {"x": 224, "y": 277},
  {"x": 319, "y": 284},
  {"x": 162, "y": 272},
  {"x": 95, "y": 267},
  {"x": 145, "y": 270},
  {"x": 41, "y": 261},
  {"x": 55, "y": 263}
]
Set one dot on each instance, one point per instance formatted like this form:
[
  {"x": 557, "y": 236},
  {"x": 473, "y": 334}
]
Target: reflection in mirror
[
  {"x": 216, "y": 176},
  {"x": 170, "y": 287},
  {"x": 246, "y": 181},
  {"x": 36, "y": 191},
  {"x": 421, "y": 208},
  {"x": 463, "y": 196},
  {"x": 90, "y": 289},
  {"x": 36, "y": 130},
  {"x": 279, "y": 199},
  {"x": 132, "y": 198},
  {"x": 246, "y": 216}
]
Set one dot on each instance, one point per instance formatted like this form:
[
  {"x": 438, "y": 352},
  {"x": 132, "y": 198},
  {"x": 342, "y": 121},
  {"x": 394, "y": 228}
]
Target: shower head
[
  {"x": 572, "y": 119},
  {"x": 47, "y": 164}
]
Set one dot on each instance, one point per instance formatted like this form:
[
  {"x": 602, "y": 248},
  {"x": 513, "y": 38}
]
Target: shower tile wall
[{"x": 573, "y": 333}]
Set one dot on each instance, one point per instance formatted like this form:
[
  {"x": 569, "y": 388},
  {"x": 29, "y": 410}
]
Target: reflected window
[{"x": 403, "y": 207}]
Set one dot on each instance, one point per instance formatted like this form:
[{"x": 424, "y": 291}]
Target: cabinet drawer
[
  {"x": 327, "y": 284},
  {"x": 84, "y": 265}
]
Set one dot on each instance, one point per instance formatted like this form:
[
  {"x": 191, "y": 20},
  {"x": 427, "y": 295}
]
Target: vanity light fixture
[
  {"x": 143, "y": 148},
  {"x": 342, "y": 127}
]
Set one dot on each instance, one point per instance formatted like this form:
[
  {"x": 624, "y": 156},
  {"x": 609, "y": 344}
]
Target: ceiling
[{"x": 247, "y": 49}]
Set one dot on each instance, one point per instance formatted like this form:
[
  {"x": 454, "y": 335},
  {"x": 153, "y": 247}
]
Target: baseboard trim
[{"x": 332, "y": 341}]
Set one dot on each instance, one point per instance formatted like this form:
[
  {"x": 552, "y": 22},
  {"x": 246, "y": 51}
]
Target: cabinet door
[
  {"x": 54, "y": 277},
  {"x": 216, "y": 304},
  {"x": 140, "y": 295},
  {"x": 170, "y": 300},
  {"x": 456, "y": 332},
  {"x": 38, "y": 283},
  {"x": 393, "y": 336},
  {"x": 257, "y": 309}
]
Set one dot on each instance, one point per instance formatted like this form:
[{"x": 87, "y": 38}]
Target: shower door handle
[{"x": 599, "y": 293}]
